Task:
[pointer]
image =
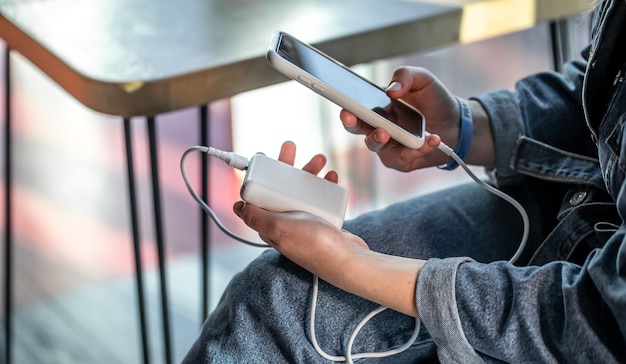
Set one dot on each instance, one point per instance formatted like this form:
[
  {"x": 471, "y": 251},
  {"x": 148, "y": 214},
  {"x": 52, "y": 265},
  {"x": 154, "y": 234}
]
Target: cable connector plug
[{"x": 232, "y": 159}]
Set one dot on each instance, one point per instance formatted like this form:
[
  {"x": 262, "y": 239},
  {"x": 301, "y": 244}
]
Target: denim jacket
[{"x": 565, "y": 306}]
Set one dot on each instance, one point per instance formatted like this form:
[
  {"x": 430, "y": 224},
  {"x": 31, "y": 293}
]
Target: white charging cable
[
  {"x": 349, "y": 357},
  {"x": 236, "y": 161},
  {"x": 449, "y": 152}
]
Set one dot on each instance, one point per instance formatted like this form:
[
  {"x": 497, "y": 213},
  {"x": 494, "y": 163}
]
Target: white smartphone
[{"x": 336, "y": 82}]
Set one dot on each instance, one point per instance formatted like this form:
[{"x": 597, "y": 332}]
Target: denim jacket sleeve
[
  {"x": 555, "y": 313},
  {"x": 541, "y": 107},
  {"x": 437, "y": 308}
]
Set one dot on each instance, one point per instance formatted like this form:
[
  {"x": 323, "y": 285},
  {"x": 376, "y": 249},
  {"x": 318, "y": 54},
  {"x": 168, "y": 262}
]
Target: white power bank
[{"x": 280, "y": 187}]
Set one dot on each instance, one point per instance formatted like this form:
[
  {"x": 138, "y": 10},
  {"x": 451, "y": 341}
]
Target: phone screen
[{"x": 350, "y": 84}]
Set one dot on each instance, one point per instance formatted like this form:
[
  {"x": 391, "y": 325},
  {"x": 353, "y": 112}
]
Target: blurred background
[{"x": 74, "y": 291}]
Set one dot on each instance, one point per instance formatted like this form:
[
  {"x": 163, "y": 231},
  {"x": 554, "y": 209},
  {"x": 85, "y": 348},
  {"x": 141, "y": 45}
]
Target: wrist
[
  {"x": 465, "y": 135},
  {"x": 385, "y": 279},
  {"x": 482, "y": 151}
]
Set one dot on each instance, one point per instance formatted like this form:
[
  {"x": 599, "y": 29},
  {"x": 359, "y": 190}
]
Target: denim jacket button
[{"x": 578, "y": 198}]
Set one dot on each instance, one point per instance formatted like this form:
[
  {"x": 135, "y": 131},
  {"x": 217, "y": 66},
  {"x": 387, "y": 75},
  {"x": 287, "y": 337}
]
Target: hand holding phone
[{"x": 336, "y": 82}]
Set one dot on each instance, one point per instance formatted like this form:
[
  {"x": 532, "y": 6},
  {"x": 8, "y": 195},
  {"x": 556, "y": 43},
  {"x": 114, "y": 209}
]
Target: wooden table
[{"x": 146, "y": 57}]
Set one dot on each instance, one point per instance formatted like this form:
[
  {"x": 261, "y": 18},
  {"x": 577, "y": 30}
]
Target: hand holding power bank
[
  {"x": 280, "y": 187},
  {"x": 336, "y": 82}
]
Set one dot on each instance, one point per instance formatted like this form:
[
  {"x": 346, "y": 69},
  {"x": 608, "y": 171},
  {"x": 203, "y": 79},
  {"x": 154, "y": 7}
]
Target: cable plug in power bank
[{"x": 280, "y": 187}]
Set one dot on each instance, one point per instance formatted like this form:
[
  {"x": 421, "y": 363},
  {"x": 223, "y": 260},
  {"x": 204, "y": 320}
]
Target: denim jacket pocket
[
  {"x": 586, "y": 205},
  {"x": 582, "y": 229}
]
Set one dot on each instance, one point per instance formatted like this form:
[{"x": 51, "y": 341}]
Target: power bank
[{"x": 280, "y": 187}]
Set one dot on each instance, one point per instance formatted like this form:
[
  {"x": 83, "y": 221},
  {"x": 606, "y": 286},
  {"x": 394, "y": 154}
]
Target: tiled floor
[{"x": 74, "y": 292}]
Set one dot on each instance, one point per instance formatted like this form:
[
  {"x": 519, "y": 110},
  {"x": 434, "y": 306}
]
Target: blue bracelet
[{"x": 465, "y": 135}]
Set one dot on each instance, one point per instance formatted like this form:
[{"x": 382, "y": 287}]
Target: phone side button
[
  {"x": 304, "y": 80},
  {"x": 317, "y": 87}
]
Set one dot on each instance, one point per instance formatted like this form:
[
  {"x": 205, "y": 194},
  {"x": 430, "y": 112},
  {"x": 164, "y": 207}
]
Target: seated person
[{"x": 556, "y": 144}]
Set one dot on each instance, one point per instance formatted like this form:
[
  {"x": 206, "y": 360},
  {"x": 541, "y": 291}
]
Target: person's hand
[
  {"x": 336, "y": 256},
  {"x": 421, "y": 89},
  {"x": 305, "y": 239}
]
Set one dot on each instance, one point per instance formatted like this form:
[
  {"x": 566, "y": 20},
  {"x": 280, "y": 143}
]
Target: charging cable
[
  {"x": 237, "y": 161},
  {"x": 449, "y": 152},
  {"x": 349, "y": 357},
  {"x": 232, "y": 159}
]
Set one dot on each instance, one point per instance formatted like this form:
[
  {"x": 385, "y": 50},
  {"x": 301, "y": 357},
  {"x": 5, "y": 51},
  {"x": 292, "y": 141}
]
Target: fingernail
[{"x": 394, "y": 86}]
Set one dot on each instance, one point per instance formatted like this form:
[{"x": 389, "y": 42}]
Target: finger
[
  {"x": 287, "y": 152},
  {"x": 400, "y": 83},
  {"x": 237, "y": 207},
  {"x": 377, "y": 139},
  {"x": 348, "y": 119},
  {"x": 431, "y": 143},
  {"x": 316, "y": 164},
  {"x": 353, "y": 125},
  {"x": 409, "y": 79},
  {"x": 332, "y": 176},
  {"x": 257, "y": 218}
]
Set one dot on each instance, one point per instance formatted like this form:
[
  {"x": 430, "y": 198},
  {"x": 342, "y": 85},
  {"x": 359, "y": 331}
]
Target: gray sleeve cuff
[
  {"x": 437, "y": 309},
  {"x": 507, "y": 127}
]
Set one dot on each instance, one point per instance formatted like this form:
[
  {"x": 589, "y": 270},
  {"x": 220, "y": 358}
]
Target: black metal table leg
[
  {"x": 156, "y": 197},
  {"x": 204, "y": 217},
  {"x": 8, "y": 252},
  {"x": 132, "y": 196}
]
